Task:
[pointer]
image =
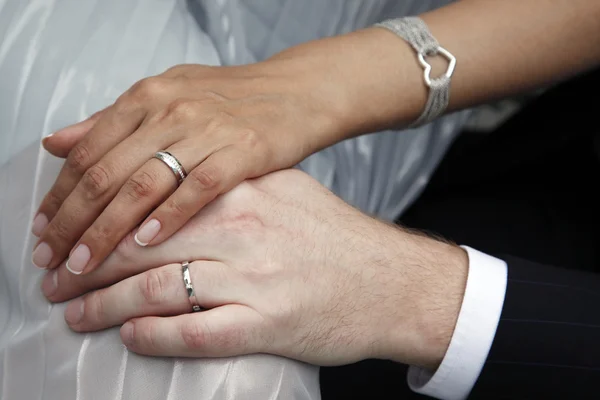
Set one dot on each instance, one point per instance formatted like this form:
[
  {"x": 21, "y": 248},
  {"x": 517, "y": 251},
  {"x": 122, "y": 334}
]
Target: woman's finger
[
  {"x": 112, "y": 128},
  {"x": 97, "y": 187},
  {"x": 142, "y": 192},
  {"x": 60, "y": 143},
  {"x": 219, "y": 173},
  {"x": 225, "y": 331},
  {"x": 156, "y": 292}
]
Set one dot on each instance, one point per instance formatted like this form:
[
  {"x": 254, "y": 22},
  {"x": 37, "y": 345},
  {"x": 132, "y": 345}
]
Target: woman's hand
[
  {"x": 228, "y": 124},
  {"x": 224, "y": 124},
  {"x": 284, "y": 267}
]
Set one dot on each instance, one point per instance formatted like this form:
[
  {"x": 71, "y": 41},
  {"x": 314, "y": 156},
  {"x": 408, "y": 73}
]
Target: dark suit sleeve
[{"x": 547, "y": 344}]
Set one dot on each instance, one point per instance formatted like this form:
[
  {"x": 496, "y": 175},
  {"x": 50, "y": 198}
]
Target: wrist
[
  {"x": 429, "y": 290},
  {"x": 366, "y": 81}
]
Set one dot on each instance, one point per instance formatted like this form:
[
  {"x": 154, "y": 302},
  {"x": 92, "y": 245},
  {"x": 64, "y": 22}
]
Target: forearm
[
  {"x": 371, "y": 79},
  {"x": 506, "y": 47}
]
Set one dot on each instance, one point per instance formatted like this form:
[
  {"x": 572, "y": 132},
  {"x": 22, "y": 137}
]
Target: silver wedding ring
[
  {"x": 172, "y": 163},
  {"x": 187, "y": 280}
]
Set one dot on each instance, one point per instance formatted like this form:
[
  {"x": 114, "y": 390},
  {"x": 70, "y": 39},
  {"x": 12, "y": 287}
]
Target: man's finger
[
  {"x": 225, "y": 331},
  {"x": 157, "y": 292}
]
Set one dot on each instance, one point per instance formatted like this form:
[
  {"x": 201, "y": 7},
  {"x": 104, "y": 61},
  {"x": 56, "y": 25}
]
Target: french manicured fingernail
[
  {"x": 50, "y": 283},
  {"x": 47, "y": 137},
  {"x": 147, "y": 232},
  {"x": 127, "y": 333},
  {"x": 79, "y": 259},
  {"x": 74, "y": 312},
  {"x": 40, "y": 222},
  {"x": 42, "y": 255}
]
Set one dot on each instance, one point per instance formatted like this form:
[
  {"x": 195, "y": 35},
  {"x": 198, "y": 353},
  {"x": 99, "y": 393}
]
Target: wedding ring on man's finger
[
  {"x": 187, "y": 280},
  {"x": 173, "y": 163}
]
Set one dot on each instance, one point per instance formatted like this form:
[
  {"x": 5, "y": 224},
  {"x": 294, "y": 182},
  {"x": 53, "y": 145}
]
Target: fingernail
[
  {"x": 79, "y": 259},
  {"x": 47, "y": 136},
  {"x": 127, "y": 333},
  {"x": 50, "y": 283},
  {"x": 147, "y": 232},
  {"x": 74, "y": 312},
  {"x": 40, "y": 222},
  {"x": 42, "y": 255}
]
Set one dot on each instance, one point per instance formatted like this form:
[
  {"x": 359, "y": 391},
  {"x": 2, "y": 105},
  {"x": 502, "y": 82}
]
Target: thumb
[{"x": 60, "y": 143}]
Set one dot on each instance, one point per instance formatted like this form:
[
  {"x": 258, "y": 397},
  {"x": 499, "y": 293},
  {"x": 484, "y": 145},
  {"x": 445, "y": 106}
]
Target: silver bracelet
[{"x": 414, "y": 31}]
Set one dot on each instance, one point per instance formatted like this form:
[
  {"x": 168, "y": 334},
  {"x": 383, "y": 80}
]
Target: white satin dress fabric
[{"x": 61, "y": 60}]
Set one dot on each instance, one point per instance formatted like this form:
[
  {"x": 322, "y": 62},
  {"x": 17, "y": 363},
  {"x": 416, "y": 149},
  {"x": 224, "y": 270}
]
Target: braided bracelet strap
[{"x": 414, "y": 31}]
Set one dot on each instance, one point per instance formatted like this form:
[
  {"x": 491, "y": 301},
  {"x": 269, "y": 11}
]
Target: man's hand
[{"x": 284, "y": 267}]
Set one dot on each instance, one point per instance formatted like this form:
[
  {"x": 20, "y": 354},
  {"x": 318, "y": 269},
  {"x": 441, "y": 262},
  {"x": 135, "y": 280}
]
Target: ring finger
[{"x": 156, "y": 292}]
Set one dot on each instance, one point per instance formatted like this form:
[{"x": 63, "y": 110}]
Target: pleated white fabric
[{"x": 60, "y": 61}]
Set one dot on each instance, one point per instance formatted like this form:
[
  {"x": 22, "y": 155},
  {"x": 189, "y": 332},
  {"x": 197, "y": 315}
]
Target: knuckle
[
  {"x": 53, "y": 201},
  {"x": 59, "y": 231},
  {"x": 194, "y": 336},
  {"x": 96, "y": 182},
  {"x": 145, "y": 336},
  {"x": 78, "y": 159},
  {"x": 183, "y": 110},
  {"x": 148, "y": 88},
  {"x": 100, "y": 235},
  {"x": 249, "y": 137},
  {"x": 175, "y": 209},
  {"x": 206, "y": 177},
  {"x": 152, "y": 287},
  {"x": 125, "y": 104},
  {"x": 245, "y": 196},
  {"x": 141, "y": 185},
  {"x": 95, "y": 308}
]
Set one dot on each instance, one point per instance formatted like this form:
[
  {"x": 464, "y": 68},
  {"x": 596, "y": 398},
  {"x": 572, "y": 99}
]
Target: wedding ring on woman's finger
[
  {"x": 173, "y": 163},
  {"x": 187, "y": 281}
]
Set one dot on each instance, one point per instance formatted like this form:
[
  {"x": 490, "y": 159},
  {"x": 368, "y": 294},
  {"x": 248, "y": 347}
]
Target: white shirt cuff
[{"x": 474, "y": 333}]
